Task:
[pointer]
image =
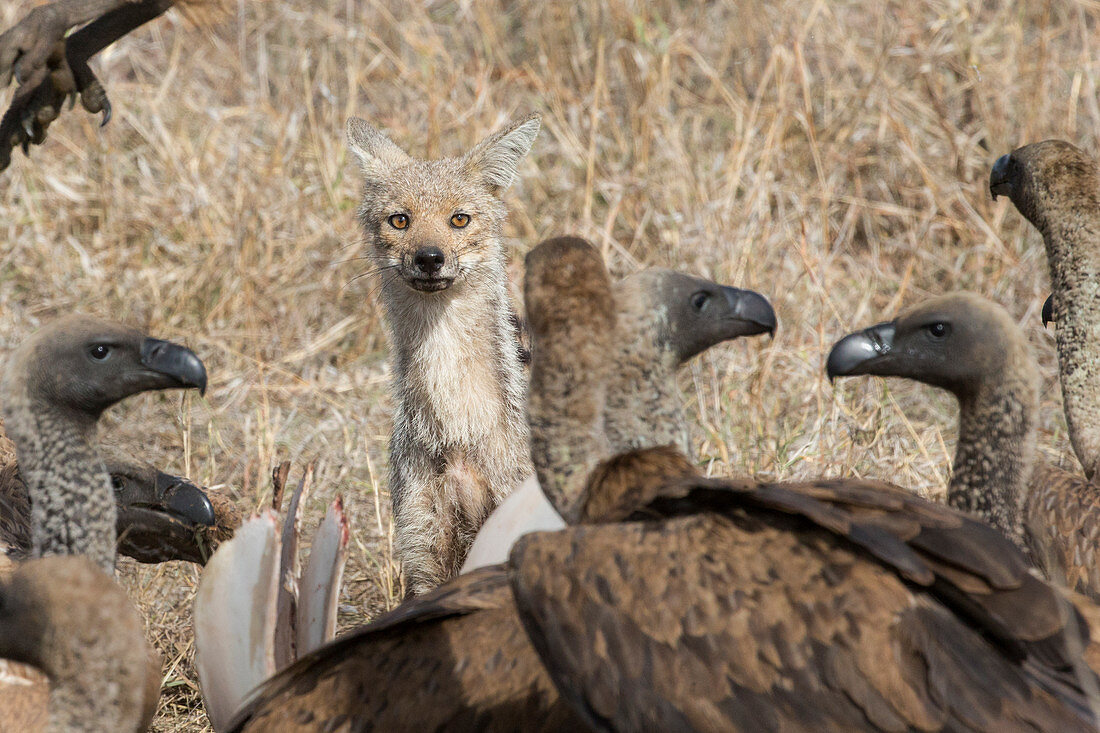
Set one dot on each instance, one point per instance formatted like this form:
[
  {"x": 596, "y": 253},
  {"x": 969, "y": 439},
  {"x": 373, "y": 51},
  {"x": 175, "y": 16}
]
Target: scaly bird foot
[
  {"x": 34, "y": 108},
  {"x": 26, "y": 48}
]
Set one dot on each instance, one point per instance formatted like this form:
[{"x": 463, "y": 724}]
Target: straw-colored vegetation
[{"x": 833, "y": 156}]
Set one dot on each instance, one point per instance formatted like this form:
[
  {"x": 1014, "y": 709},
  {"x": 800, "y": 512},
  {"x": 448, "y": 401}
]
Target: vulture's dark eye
[
  {"x": 939, "y": 330},
  {"x": 99, "y": 352},
  {"x": 698, "y": 300}
]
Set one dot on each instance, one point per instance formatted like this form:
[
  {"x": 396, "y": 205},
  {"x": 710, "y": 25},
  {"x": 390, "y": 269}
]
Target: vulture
[
  {"x": 679, "y": 602},
  {"x": 53, "y": 390},
  {"x": 50, "y": 64},
  {"x": 664, "y": 319},
  {"x": 65, "y": 617},
  {"x": 160, "y": 517},
  {"x": 971, "y": 347},
  {"x": 1057, "y": 188},
  {"x": 54, "y": 387}
]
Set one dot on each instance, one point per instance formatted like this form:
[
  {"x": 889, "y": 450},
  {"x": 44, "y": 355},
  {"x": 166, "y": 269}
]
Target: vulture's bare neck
[
  {"x": 566, "y": 443},
  {"x": 643, "y": 405},
  {"x": 1073, "y": 250},
  {"x": 72, "y": 505},
  {"x": 995, "y": 454}
]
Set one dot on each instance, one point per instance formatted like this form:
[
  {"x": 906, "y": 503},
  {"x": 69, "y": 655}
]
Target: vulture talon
[
  {"x": 47, "y": 114},
  {"x": 26, "y": 145},
  {"x": 40, "y": 48},
  {"x": 28, "y": 123}
]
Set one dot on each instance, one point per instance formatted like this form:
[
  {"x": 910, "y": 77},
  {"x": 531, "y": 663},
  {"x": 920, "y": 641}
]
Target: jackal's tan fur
[{"x": 459, "y": 441}]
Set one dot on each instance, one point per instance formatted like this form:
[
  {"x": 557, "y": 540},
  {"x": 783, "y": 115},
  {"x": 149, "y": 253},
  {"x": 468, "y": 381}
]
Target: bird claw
[
  {"x": 72, "y": 99},
  {"x": 106, "y": 112},
  {"x": 28, "y": 123}
]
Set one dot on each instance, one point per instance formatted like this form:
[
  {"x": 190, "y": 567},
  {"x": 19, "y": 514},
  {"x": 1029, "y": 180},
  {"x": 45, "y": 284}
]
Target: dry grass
[{"x": 830, "y": 155}]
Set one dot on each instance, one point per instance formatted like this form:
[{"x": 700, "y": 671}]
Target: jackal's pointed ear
[
  {"x": 376, "y": 153},
  {"x": 496, "y": 157}
]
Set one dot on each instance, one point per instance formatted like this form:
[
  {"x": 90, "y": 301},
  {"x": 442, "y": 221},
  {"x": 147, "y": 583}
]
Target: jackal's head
[{"x": 432, "y": 222}]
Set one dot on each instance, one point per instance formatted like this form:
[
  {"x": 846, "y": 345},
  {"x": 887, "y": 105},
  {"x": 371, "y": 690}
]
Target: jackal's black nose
[{"x": 429, "y": 260}]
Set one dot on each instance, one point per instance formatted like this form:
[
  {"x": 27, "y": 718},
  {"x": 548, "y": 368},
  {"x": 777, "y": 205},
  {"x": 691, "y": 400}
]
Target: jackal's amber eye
[
  {"x": 460, "y": 220},
  {"x": 399, "y": 221}
]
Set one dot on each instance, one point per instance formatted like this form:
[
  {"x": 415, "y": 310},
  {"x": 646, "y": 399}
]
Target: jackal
[{"x": 459, "y": 442}]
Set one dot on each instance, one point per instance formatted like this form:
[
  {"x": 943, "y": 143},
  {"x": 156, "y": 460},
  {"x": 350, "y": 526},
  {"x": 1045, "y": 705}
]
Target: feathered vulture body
[
  {"x": 971, "y": 347},
  {"x": 679, "y": 602},
  {"x": 63, "y": 615},
  {"x": 160, "y": 517}
]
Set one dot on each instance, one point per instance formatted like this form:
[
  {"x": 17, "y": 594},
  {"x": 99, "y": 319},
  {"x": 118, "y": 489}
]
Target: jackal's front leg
[
  {"x": 419, "y": 541},
  {"x": 434, "y": 526}
]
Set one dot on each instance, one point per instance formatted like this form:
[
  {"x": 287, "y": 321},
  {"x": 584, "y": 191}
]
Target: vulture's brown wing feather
[
  {"x": 686, "y": 624},
  {"x": 751, "y": 622},
  {"x": 15, "y": 512},
  {"x": 628, "y": 482},
  {"x": 822, "y": 604},
  {"x": 15, "y": 503},
  {"x": 978, "y": 572},
  {"x": 970, "y": 564},
  {"x": 1062, "y": 516},
  {"x": 455, "y": 659}
]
